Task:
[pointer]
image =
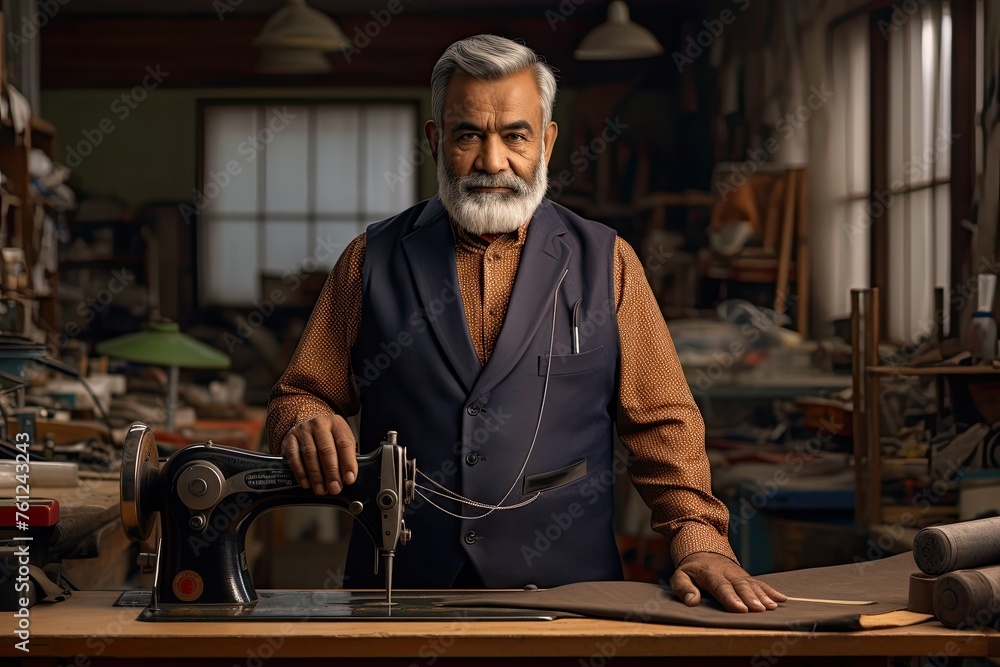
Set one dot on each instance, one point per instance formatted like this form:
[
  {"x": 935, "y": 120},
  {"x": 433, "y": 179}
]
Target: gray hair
[{"x": 489, "y": 58}]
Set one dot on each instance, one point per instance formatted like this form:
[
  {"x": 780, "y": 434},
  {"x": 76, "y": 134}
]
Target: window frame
[
  {"x": 962, "y": 169},
  {"x": 260, "y": 216}
]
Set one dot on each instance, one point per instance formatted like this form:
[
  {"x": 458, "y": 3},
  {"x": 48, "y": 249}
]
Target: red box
[{"x": 42, "y": 513}]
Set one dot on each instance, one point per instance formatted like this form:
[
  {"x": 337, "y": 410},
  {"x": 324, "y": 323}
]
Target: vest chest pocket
[
  {"x": 567, "y": 364},
  {"x": 553, "y": 479}
]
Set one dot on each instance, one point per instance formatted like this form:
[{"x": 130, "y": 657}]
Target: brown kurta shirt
[{"x": 657, "y": 417}]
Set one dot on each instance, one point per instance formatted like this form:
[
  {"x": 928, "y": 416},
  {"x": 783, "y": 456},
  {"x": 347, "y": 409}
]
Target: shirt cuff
[
  {"x": 693, "y": 537},
  {"x": 285, "y": 413}
]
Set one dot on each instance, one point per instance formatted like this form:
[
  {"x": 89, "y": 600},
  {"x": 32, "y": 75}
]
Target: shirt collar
[{"x": 470, "y": 240}]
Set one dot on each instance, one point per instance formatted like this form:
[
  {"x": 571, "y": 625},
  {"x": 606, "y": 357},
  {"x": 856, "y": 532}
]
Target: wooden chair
[
  {"x": 672, "y": 273},
  {"x": 773, "y": 200}
]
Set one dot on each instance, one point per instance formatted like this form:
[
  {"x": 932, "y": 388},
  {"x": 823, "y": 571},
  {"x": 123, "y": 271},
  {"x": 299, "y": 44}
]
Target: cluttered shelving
[
  {"x": 926, "y": 465},
  {"x": 34, "y": 197}
]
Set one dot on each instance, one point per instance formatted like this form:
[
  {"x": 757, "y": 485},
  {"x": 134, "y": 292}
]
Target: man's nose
[{"x": 492, "y": 156}]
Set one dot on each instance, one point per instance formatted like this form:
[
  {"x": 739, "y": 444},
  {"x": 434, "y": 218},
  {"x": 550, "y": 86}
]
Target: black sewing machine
[{"x": 207, "y": 496}]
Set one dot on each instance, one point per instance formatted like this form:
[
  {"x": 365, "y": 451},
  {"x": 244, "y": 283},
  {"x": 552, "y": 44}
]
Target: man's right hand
[{"x": 322, "y": 454}]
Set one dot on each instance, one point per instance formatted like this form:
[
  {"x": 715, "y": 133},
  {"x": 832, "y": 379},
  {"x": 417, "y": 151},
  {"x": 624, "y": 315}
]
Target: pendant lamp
[
  {"x": 618, "y": 38},
  {"x": 293, "y": 61},
  {"x": 298, "y": 26},
  {"x": 294, "y": 39}
]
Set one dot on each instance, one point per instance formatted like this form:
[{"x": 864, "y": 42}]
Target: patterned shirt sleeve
[
  {"x": 660, "y": 423},
  {"x": 319, "y": 378}
]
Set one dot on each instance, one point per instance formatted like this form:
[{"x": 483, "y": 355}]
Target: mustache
[{"x": 501, "y": 179}]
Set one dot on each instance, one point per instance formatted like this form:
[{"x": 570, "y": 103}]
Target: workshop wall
[
  {"x": 165, "y": 124},
  {"x": 107, "y": 163}
]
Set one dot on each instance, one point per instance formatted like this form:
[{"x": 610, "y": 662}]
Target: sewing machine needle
[{"x": 388, "y": 580}]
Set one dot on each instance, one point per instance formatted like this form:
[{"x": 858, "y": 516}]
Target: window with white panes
[
  {"x": 843, "y": 264},
  {"x": 919, "y": 170},
  {"x": 285, "y": 188}
]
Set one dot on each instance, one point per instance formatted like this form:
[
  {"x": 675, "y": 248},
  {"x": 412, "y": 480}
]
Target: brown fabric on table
[{"x": 884, "y": 581}]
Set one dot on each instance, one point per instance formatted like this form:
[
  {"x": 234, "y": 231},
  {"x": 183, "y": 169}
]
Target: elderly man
[{"x": 504, "y": 338}]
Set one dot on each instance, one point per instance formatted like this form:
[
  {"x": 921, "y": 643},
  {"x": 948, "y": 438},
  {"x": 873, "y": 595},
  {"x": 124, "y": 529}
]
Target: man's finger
[
  {"x": 328, "y": 459},
  {"x": 762, "y": 595},
  {"x": 347, "y": 451},
  {"x": 772, "y": 592},
  {"x": 722, "y": 590},
  {"x": 290, "y": 450},
  {"x": 748, "y": 594},
  {"x": 684, "y": 589},
  {"x": 310, "y": 459}
]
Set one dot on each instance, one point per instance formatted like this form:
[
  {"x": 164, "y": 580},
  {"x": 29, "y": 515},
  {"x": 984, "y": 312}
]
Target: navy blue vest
[{"x": 470, "y": 426}]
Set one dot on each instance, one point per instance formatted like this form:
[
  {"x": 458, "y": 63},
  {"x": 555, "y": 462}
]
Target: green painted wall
[{"x": 149, "y": 152}]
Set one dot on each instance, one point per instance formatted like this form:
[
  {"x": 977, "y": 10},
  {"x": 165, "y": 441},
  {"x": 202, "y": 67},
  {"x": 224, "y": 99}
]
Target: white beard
[{"x": 491, "y": 212}]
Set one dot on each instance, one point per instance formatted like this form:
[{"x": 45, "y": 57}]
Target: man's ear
[
  {"x": 431, "y": 132},
  {"x": 551, "y": 132}
]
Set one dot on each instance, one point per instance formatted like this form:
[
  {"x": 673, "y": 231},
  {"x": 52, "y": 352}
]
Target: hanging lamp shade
[
  {"x": 292, "y": 61},
  {"x": 163, "y": 344},
  {"x": 298, "y": 26},
  {"x": 618, "y": 38}
]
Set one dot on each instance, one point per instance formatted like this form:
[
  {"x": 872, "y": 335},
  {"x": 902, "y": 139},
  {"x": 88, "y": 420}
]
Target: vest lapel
[
  {"x": 543, "y": 259},
  {"x": 430, "y": 250}
]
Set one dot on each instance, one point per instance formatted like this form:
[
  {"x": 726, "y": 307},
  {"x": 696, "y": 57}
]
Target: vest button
[
  {"x": 470, "y": 537},
  {"x": 473, "y": 409},
  {"x": 472, "y": 458}
]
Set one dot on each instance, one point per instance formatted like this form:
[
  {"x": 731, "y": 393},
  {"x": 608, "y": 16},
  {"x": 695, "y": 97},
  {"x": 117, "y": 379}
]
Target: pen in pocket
[{"x": 576, "y": 326}]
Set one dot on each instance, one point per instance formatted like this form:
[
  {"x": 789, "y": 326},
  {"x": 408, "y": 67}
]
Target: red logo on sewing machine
[{"x": 188, "y": 585}]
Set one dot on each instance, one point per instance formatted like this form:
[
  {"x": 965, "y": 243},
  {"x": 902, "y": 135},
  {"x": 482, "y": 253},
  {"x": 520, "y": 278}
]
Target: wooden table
[
  {"x": 87, "y": 631},
  {"x": 89, "y": 541}
]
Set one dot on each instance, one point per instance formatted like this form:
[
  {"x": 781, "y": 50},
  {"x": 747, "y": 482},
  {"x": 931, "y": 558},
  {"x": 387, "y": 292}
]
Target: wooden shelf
[
  {"x": 101, "y": 222},
  {"x": 102, "y": 261},
  {"x": 11, "y": 198},
  {"x": 42, "y": 126},
  {"x": 932, "y": 370},
  {"x": 916, "y": 517}
]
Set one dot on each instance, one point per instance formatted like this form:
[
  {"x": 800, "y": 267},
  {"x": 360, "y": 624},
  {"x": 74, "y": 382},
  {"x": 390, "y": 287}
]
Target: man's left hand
[{"x": 725, "y": 581}]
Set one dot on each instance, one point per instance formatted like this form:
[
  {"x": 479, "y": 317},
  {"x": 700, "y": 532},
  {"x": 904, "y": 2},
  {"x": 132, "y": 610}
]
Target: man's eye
[
  {"x": 516, "y": 137},
  {"x": 468, "y": 136}
]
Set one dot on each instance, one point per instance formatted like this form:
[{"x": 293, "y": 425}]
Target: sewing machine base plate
[{"x": 335, "y": 605}]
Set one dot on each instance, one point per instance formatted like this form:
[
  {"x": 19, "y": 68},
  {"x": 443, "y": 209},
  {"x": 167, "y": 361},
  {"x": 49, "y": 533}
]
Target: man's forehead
[{"x": 513, "y": 95}]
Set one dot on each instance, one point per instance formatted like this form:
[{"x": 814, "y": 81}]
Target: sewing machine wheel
[{"x": 139, "y": 480}]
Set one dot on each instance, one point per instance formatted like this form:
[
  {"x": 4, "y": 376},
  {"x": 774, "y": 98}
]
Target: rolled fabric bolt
[
  {"x": 921, "y": 597},
  {"x": 957, "y": 547},
  {"x": 968, "y": 598}
]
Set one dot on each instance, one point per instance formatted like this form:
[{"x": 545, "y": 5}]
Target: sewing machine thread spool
[
  {"x": 968, "y": 598},
  {"x": 959, "y": 546}
]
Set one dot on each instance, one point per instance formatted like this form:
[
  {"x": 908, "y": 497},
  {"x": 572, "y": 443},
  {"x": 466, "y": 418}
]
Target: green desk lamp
[{"x": 163, "y": 344}]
